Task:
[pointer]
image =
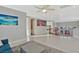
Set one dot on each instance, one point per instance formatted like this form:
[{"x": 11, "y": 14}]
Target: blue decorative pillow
[{"x": 4, "y": 41}]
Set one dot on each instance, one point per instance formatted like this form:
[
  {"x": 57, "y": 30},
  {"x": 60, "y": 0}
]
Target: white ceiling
[
  {"x": 32, "y": 11},
  {"x": 64, "y": 14}
]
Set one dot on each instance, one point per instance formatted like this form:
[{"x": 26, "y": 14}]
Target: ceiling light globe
[{"x": 44, "y": 10}]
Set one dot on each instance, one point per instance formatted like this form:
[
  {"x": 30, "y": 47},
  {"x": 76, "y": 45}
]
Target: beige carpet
[{"x": 34, "y": 47}]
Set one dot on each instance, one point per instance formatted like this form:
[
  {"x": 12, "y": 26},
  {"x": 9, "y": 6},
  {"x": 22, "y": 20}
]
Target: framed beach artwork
[{"x": 8, "y": 19}]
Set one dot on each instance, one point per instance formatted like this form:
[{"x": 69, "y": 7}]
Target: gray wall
[{"x": 13, "y": 33}]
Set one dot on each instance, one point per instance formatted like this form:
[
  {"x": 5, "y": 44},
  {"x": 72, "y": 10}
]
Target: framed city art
[{"x": 41, "y": 23}]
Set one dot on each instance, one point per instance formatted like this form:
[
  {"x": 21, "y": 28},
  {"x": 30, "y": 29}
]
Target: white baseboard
[
  {"x": 41, "y": 35},
  {"x": 17, "y": 42}
]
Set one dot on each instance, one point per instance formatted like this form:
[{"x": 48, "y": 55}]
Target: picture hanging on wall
[
  {"x": 8, "y": 20},
  {"x": 41, "y": 23}
]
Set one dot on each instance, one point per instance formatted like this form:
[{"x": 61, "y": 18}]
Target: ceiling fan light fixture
[{"x": 44, "y": 10}]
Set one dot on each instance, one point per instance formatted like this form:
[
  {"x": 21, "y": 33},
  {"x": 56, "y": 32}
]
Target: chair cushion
[
  {"x": 4, "y": 41},
  {"x": 5, "y": 48}
]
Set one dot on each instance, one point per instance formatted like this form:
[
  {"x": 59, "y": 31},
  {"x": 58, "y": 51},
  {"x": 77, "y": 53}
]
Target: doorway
[{"x": 32, "y": 26}]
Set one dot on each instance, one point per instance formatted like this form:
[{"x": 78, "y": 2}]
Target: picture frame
[
  {"x": 8, "y": 19},
  {"x": 41, "y": 23}
]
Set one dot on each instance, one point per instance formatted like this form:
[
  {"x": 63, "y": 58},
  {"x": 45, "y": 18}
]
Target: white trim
[
  {"x": 40, "y": 35},
  {"x": 17, "y": 42}
]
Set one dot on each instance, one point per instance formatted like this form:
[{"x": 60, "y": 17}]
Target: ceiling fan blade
[
  {"x": 64, "y": 6},
  {"x": 51, "y": 9},
  {"x": 39, "y": 7},
  {"x": 45, "y": 6}
]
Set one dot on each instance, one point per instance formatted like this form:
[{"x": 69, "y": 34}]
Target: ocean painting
[{"x": 8, "y": 20}]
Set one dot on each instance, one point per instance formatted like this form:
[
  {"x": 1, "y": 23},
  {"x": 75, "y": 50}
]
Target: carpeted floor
[{"x": 34, "y": 47}]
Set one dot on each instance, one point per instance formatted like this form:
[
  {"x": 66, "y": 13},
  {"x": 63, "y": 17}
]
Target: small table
[{"x": 33, "y": 47}]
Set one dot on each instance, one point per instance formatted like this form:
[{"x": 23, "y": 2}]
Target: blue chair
[
  {"x": 4, "y": 41},
  {"x": 5, "y": 48}
]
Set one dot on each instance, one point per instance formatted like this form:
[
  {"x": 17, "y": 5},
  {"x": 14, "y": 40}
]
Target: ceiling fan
[{"x": 44, "y": 8}]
